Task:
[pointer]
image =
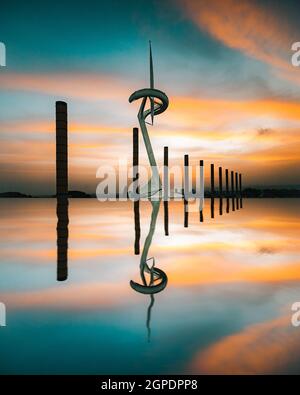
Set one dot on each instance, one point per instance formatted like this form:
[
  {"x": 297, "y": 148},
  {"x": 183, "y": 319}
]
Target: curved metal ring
[
  {"x": 152, "y": 93},
  {"x": 144, "y": 289}
]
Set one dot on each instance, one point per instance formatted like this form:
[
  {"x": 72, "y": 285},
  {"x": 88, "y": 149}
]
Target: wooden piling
[
  {"x": 237, "y": 191},
  {"x": 201, "y": 189},
  {"x": 135, "y": 158},
  {"x": 166, "y": 190},
  {"x": 227, "y": 182},
  {"x": 212, "y": 180},
  {"x": 136, "y": 203},
  {"x": 232, "y": 190},
  {"x": 61, "y": 148},
  {"x": 186, "y": 177},
  {"x": 220, "y": 182},
  {"x": 166, "y": 174},
  {"x": 220, "y": 191},
  {"x": 232, "y": 184},
  {"x": 240, "y": 189},
  {"x": 186, "y": 190}
]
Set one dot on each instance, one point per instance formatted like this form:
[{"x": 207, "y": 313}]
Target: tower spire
[
  {"x": 151, "y": 67},
  {"x": 151, "y": 83}
]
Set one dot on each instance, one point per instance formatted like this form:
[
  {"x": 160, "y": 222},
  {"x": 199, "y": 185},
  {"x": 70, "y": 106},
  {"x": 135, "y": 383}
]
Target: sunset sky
[{"x": 225, "y": 66}]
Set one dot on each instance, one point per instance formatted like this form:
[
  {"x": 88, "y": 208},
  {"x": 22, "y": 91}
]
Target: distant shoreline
[{"x": 246, "y": 193}]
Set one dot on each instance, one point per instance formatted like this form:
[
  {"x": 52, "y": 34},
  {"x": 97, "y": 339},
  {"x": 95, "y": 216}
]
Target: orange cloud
[
  {"x": 206, "y": 269},
  {"x": 43, "y": 126},
  {"x": 205, "y": 112},
  {"x": 262, "y": 348},
  {"x": 246, "y": 26},
  {"x": 76, "y": 296},
  {"x": 76, "y": 85}
]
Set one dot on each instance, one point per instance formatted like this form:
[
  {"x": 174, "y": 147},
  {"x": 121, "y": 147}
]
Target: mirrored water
[{"x": 226, "y": 306}]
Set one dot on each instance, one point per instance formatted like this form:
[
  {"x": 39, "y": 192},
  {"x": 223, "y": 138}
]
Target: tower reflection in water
[{"x": 153, "y": 279}]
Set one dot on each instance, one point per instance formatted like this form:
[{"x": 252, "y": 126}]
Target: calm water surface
[{"x": 226, "y": 308}]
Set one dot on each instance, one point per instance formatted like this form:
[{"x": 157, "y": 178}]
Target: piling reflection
[
  {"x": 166, "y": 217},
  {"x": 212, "y": 208},
  {"x": 237, "y": 203},
  {"x": 201, "y": 216},
  {"x": 62, "y": 230},
  {"x": 186, "y": 213},
  {"x": 137, "y": 227},
  {"x": 221, "y": 206}
]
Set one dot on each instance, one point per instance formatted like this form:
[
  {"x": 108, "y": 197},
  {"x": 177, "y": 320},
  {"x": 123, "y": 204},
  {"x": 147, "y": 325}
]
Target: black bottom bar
[{"x": 137, "y": 383}]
